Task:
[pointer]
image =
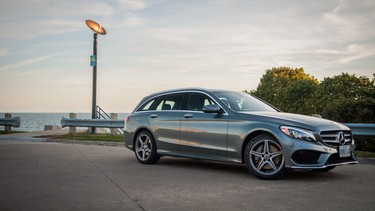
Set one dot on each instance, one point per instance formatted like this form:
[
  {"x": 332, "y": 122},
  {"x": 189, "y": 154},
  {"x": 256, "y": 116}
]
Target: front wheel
[
  {"x": 145, "y": 148},
  {"x": 264, "y": 157}
]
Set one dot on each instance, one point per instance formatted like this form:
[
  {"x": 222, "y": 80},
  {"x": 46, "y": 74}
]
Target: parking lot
[{"x": 56, "y": 176}]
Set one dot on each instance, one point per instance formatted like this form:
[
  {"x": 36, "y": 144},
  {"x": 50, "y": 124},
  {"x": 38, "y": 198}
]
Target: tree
[
  {"x": 297, "y": 97},
  {"x": 346, "y": 98},
  {"x": 286, "y": 88}
]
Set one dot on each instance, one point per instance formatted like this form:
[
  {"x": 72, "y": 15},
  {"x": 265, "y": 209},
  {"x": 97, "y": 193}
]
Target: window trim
[{"x": 184, "y": 103}]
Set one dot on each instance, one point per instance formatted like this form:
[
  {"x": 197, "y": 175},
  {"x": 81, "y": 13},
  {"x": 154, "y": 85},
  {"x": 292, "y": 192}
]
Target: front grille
[{"x": 332, "y": 138}]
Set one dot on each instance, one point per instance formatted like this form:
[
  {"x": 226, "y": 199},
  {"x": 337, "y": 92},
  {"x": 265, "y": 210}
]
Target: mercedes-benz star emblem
[{"x": 341, "y": 138}]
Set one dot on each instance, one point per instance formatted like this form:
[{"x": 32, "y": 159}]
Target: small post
[
  {"x": 72, "y": 130},
  {"x": 8, "y": 129},
  {"x": 113, "y": 130}
]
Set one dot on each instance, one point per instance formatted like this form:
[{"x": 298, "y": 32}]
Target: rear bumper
[{"x": 128, "y": 139}]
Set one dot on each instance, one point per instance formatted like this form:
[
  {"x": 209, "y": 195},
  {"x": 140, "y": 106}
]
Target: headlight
[{"x": 298, "y": 133}]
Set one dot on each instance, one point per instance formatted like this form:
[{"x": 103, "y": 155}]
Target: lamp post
[{"x": 98, "y": 29}]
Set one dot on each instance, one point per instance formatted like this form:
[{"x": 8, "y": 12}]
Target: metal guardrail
[
  {"x": 102, "y": 123},
  {"x": 361, "y": 129},
  {"x": 14, "y": 121}
]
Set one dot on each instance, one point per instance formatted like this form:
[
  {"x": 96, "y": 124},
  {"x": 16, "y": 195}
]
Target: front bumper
[
  {"x": 316, "y": 155},
  {"x": 324, "y": 161}
]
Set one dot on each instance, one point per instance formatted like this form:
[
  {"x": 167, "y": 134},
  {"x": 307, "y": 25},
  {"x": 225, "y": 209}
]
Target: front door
[{"x": 203, "y": 134}]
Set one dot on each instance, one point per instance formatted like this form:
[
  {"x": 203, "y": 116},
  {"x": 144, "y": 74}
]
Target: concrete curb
[{"x": 85, "y": 142}]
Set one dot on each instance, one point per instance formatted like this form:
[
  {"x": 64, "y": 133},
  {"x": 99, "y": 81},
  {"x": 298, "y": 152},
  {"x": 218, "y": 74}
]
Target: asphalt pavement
[{"x": 36, "y": 175}]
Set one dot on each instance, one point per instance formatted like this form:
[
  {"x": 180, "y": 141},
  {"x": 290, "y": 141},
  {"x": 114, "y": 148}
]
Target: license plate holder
[{"x": 344, "y": 151}]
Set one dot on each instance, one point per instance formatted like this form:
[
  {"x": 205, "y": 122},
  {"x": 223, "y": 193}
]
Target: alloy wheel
[
  {"x": 266, "y": 157},
  {"x": 143, "y": 147}
]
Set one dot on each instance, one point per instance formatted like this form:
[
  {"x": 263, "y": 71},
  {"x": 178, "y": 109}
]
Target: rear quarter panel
[{"x": 135, "y": 123}]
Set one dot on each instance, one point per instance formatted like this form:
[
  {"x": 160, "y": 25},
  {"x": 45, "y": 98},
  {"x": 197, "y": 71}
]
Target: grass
[
  {"x": 89, "y": 137},
  {"x": 2, "y": 132},
  {"x": 365, "y": 154}
]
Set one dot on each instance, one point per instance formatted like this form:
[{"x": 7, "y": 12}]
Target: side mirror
[{"x": 212, "y": 109}]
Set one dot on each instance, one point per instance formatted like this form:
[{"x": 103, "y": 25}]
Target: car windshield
[{"x": 240, "y": 101}]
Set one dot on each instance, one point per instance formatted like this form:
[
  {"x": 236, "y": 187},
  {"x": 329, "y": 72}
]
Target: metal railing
[
  {"x": 8, "y": 122},
  {"x": 101, "y": 123},
  {"x": 361, "y": 129},
  {"x": 101, "y": 114},
  {"x": 13, "y": 121}
]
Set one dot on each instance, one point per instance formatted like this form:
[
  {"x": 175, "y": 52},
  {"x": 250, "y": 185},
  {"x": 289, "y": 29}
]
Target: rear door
[{"x": 164, "y": 120}]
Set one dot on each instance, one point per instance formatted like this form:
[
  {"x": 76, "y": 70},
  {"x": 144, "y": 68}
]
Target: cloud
[
  {"x": 351, "y": 20},
  {"x": 357, "y": 52},
  {"x": 19, "y": 10},
  {"x": 351, "y": 53},
  {"x": 3, "y": 52},
  {"x": 132, "y": 20},
  {"x": 21, "y": 30},
  {"x": 29, "y": 19},
  {"x": 25, "y": 62},
  {"x": 132, "y": 4}
]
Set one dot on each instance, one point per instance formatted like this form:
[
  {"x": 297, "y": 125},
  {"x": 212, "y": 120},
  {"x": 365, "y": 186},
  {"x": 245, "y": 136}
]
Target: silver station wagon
[{"x": 234, "y": 127}]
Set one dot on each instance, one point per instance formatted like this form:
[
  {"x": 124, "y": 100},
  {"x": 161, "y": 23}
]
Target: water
[{"x": 36, "y": 121}]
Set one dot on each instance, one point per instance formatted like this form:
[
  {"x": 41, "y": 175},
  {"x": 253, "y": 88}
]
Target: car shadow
[
  {"x": 240, "y": 169},
  {"x": 198, "y": 164},
  {"x": 314, "y": 176}
]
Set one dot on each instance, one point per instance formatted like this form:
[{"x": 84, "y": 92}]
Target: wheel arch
[
  {"x": 252, "y": 135},
  {"x": 137, "y": 132}
]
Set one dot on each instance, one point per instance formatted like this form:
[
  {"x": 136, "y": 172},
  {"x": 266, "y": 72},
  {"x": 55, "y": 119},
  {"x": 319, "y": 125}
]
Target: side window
[
  {"x": 170, "y": 102},
  {"x": 197, "y": 101},
  {"x": 148, "y": 105}
]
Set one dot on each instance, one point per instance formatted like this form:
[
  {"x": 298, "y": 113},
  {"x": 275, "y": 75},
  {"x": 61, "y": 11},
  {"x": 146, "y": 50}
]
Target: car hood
[{"x": 297, "y": 120}]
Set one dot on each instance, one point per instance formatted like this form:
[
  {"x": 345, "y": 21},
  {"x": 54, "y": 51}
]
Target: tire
[
  {"x": 145, "y": 148},
  {"x": 326, "y": 169},
  {"x": 264, "y": 157}
]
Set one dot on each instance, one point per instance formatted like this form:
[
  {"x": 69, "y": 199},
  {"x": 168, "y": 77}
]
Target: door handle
[
  {"x": 153, "y": 115},
  {"x": 188, "y": 116}
]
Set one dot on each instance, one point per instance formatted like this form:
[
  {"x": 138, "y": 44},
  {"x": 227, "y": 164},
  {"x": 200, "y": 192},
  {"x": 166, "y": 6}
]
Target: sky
[{"x": 155, "y": 45}]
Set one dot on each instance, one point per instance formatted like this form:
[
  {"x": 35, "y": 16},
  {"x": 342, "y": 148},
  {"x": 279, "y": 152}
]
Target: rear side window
[
  {"x": 148, "y": 105},
  {"x": 163, "y": 103}
]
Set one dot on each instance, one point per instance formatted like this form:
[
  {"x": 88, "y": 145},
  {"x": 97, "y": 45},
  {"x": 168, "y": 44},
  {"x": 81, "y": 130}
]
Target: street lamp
[{"x": 98, "y": 29}]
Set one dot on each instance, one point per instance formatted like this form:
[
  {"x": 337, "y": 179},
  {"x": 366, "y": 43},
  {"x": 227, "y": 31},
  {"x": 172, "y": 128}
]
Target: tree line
[{"x": 343, "y": 98}]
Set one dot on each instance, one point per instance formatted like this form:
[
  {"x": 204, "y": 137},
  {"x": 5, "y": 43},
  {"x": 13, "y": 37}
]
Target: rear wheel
[
  {"x": 145, "y": 148},
  {"x": 264, "y": 157}
]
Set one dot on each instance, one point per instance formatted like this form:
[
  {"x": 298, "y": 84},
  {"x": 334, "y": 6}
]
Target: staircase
[{"x": 101, "y": 114}]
